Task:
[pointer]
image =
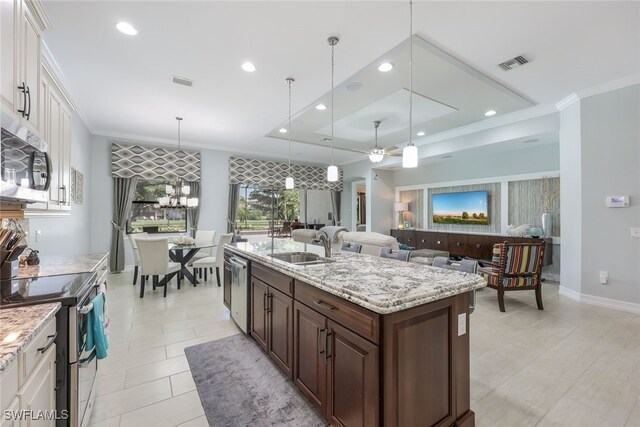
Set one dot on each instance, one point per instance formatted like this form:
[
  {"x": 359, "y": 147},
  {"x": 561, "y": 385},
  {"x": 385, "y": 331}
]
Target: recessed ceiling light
[
  {"x": 248, "y": 67},
  {"x": 385, "y": 66},
  {"x": 126, "y": 28},
  {"x": 321, "y": 107},
  {"x": 490, "y": 113},
  {"x": 421, "y": 133},
  {"x": 282, "y": 130}
]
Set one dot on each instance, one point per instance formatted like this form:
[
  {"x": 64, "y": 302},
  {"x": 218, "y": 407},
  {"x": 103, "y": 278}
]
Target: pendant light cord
[
  {"x": 289, "y": 81},
  {"x": 332, "y": 67},
  {"x": 410, "y": 72}
]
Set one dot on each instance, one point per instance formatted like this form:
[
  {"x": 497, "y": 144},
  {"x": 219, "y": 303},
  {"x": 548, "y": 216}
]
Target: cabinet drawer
[
  {"x": 273, "y": 278},
  {"x": 102, "y": 269},
  {"x": 432, "y": 240},
  {"x": 8, "y": 385},
  {"x": 360, "y": 320},
  {"x": 458, "y": 244},
  {"x": 35, "y": 351}
]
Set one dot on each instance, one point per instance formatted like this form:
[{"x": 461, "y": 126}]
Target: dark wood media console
[{"x": 478, "y": 246}]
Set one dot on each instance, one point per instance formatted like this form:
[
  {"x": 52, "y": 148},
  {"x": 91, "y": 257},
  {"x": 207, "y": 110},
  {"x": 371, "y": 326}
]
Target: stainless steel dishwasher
[{"x": 240, "y": 292}]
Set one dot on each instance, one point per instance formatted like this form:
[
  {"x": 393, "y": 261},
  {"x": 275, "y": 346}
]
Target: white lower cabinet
[{"x": 28, "y": 396}]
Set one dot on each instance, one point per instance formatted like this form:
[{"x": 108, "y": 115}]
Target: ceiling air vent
[
  {"x": 513, "y": 63},
  {"x": 181, "y": 81}
]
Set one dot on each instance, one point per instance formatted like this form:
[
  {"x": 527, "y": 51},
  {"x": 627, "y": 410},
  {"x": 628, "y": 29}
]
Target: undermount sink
[{"x": 300, "y": 258}]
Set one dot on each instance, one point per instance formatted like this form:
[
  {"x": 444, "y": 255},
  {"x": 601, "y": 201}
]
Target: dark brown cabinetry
[
  {"x": 272, "y": 317},
  {"x": 361, "y": 368},
  {"x": 226, "y": 285},
  {"x": 478, "y": 246}
]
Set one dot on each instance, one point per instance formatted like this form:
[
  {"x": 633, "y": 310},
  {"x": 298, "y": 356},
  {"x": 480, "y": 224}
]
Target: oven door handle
[
  {"x": 86, "y": 308},
  {"x": 83, "y": 363}
]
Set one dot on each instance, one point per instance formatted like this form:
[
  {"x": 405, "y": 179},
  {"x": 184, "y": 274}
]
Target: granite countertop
[
  {"x": 19, "y": 325},
  {"x": 378, "y": 284},
  {"x": 54, "y": 265}
]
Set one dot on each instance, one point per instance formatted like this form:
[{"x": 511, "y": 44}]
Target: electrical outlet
[
  {"x": 462, "y": 324},
  {"x": 604, "y": 277},
  {"x": 635, "y": 231},
  {"x": 38, "y": 235}
]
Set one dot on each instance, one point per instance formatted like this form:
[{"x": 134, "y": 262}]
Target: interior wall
[
  {"x": 70, "y": 234},
  {"x": 380, "y": 199},
  {"x": 610, "y": 165},
  {"x": 213, "y": 200}
]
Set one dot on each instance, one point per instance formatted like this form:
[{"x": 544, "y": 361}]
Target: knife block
[{"x": 8, "y": 269}]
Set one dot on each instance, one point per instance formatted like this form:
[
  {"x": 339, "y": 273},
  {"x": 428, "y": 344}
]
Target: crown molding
[
  {"x": 623, "y": 82},
  {"x": 37, "y": 10}
]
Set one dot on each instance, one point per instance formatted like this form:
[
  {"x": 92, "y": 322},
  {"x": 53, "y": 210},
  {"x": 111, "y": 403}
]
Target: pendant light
[
  {"x": 288, "y": 182},
  {"x": 376, "y": 154},
  {"x": 410, "y": 152},
  {"x": 332, "y": 170}
]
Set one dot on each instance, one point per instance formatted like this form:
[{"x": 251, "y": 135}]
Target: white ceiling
[{"x": 122, "y": 85}]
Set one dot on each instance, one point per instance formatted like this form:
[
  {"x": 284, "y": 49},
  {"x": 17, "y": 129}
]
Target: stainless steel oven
[{"x": 83, "y": 365}]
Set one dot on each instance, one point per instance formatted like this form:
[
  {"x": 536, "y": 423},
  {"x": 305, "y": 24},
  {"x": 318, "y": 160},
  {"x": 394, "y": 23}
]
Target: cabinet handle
[
  {"x": 478, "y": 245},
  {"x": 327, "y": 341},
  {"x": 322, "y": 350},
  {"x": 264, "y": 302},
  {"x": 323, "y": 305},
  {"x": 46, "y": 347},
  {"x": 28, "y": 92},
  {"x": 22, "y": 87},
  {"x": 438, "y": 241},
  {"x": 422, "y": 241},
  {"x": 269, "y": 302},
  {"x": 458, "y": 244}
]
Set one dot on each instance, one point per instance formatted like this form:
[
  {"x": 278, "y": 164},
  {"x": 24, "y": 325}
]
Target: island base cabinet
[
  {"x": 226, "y": 285},
  {"x": 426, "y": 370},
  {"x": 259, "y": 292},
  {"x": 310, "y": 363},
  {"x": 353, "y": 385}
]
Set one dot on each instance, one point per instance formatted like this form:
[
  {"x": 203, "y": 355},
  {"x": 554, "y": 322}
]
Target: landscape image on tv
[{"x": 460, "y": 208}]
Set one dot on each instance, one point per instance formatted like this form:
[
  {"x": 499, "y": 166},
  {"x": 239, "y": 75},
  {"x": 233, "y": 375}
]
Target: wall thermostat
[{"x": 617, "y": 201}]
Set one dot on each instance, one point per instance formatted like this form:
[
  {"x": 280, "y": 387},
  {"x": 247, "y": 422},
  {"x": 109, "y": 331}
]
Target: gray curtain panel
[
  {"x": 123, "y": 192},
  {"x": 193, "y": 214},
  {"x": 234, "y": 192},
  {"x": 335, "y": 205}
]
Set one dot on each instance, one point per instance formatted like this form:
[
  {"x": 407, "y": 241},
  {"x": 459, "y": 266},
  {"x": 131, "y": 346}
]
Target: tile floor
[{"x": 569, "y": 365}]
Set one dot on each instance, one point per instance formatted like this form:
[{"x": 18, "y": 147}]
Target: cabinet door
[
  {"x": 458, "y": 244},
  {"x": 54, "y": 105},
  {"x": 280, "y": 308},
  {"x": 259, "y": 292},
  {"x": 353, "y": 379},
  {"x": 39, "y": 393},
  {"x": 310, "y": 364},
  {"x": 30, "y": 63},
  {"x": 9, "y": 14},
  {"x": 14, "y": 407},
  {"x": 65, "y": 156},
  {"x": 226, "y": 286}
]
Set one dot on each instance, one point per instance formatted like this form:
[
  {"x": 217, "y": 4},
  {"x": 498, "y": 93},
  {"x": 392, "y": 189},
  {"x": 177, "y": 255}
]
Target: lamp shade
[
  {"x": 410, "y": 156},
  {"x": 332, "y": 173},
  {"x": 376, "y": 155},
  {"x": 288, "y": 183},
  {"x": 401, "y": 206}
]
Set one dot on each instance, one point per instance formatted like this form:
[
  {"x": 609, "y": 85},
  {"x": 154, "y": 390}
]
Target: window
[
  {"x": 254, "y": 207},
  {"x": 147, "y": 215}
]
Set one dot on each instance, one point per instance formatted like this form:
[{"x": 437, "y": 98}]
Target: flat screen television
[{"x": 469, "y": 207}]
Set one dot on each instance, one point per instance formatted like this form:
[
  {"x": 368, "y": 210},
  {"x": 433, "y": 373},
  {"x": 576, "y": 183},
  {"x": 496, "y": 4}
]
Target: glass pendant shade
[
  {"x": 332, "y": 173},
  {"x": 410, "y": 156},
  {"x": 376, "y": 155},
  {"x": 288, "y": 183}
]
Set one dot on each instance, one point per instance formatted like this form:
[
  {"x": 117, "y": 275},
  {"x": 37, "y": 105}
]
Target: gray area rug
[{"x": 240, "y": 386}]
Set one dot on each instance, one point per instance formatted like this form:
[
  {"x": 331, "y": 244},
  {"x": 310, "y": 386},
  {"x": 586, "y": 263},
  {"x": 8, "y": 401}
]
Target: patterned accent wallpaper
[
  {"x": 154, "y": 163},
  {"x": 265, "y": 173},
  {"x": 415, "y": 198},
  {"x": 493, "y": 204},
  {"x": 525, "y": 204}
]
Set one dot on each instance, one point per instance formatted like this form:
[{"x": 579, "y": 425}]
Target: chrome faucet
[{"x": 324, "y": 238}]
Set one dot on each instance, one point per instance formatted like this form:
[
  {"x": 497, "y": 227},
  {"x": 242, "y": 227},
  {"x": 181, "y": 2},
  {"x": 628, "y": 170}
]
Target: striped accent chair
[{"x": 515, "y": 267}]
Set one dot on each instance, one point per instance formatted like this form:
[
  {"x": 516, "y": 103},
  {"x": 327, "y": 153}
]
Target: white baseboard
[{"x": 600, "y": 301}]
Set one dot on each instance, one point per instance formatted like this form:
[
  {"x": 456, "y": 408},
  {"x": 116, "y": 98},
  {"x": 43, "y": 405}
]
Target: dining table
[{"x": 183, "y": 254}]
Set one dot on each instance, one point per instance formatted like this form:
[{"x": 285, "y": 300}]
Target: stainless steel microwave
[{"x": 25, "y": 167}]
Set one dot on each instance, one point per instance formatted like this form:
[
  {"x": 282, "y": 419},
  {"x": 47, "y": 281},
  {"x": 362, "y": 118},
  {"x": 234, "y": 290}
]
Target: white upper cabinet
[{"x": 9, "y": 14}]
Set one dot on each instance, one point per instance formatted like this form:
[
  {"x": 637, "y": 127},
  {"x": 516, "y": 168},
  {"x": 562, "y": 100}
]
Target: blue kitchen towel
[{"x": 95, "y": 323}]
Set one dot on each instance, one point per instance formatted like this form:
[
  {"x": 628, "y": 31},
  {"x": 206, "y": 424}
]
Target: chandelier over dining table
[{"x": 178, "y": 193}]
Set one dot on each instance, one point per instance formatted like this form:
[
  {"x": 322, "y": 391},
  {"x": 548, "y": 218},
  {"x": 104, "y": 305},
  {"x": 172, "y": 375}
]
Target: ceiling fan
[{"x": 377, "y": 154}]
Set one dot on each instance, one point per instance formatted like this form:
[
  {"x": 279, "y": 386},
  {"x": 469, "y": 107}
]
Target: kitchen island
[{"x": 369, "y": 341}]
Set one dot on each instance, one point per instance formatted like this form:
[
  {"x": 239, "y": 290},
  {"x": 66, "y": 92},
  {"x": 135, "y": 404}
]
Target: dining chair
[
  {"x": 351, "y": 247},
  {"x": 154, "y": 263},
  {"x": 136, "y": 254},
  {"x": 400, "y": 255},
  {"x": 214, "y": 261},
  {"x": 464, "y": 265},
  {"x": 515, "y": 267},
  {"x": 204, "y": 238}
]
